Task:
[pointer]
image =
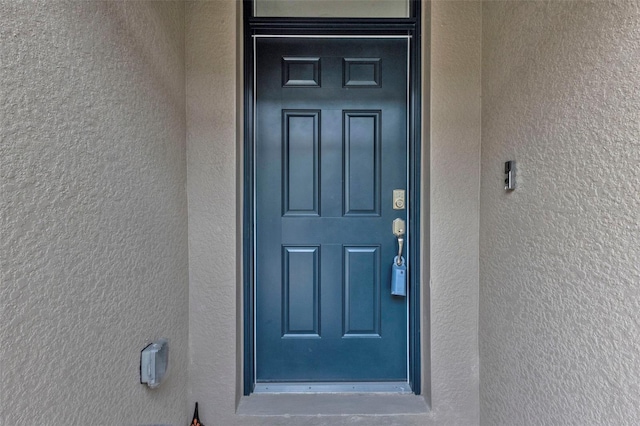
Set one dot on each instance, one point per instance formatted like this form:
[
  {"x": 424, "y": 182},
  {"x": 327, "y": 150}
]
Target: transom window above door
[{"x": 331, "y": 8}]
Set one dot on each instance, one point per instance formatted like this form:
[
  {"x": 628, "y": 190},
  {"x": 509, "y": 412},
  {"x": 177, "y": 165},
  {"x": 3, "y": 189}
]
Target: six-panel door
[{"x": 331, "y": 146}]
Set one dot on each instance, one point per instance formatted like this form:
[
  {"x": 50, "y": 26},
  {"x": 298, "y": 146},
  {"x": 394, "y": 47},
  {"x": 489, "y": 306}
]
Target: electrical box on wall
[{"x": 154, "y": 363}]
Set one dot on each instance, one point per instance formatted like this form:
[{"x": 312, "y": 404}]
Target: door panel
[
  {"x": 361, "y": 300},
  {"x": 300, "y": 162},
  {"x": 361, "y": 159},
  {"x": 331, "y": 146}
]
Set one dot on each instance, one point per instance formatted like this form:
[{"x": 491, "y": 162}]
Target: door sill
[
  {"x": 334, "y": 387},
  {"x": 333, "y": 404}
]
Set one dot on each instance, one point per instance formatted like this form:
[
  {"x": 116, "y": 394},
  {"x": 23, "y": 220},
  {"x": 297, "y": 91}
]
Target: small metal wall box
[
  {"x": 154, "y": 363},
  {"x": 510, "y": 175}
]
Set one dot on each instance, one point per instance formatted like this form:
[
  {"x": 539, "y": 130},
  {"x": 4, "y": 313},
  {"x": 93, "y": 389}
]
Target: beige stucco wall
[
  {"x": 214, "y": 158},
  {"x": 93, "y": 211},
  {"x": 559, "y": 329},
  {"x": 455, "y": 174},
  {"x": 213, "y": 191},
  {"x": 94, "y": 215}
]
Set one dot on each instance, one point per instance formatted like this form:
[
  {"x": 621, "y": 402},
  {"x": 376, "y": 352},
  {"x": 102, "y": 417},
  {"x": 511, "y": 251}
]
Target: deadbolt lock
[{"x": 398, "y": 199}]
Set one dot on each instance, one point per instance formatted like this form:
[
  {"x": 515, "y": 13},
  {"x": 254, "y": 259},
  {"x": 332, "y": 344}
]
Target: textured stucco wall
[
  {"x": 212, "y": 157},
  {"x": 455, "y": 175},
  {"x": 559, "y": 328},
  {"x": 214, "y": 161},
  {"x": 93, "y": 211}
]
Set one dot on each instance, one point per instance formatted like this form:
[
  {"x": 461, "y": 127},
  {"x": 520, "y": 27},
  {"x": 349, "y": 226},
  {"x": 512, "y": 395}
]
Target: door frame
[{"x": 333, "y": 27}]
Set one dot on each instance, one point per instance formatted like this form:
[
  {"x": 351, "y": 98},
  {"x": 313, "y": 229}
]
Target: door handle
[
  {"x": 398, "y": 267},
  {"x": 398, "y": 231}
]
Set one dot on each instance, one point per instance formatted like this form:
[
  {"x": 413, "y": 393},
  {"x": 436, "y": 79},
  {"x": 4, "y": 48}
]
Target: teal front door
[{"x": 331, "y": 148}]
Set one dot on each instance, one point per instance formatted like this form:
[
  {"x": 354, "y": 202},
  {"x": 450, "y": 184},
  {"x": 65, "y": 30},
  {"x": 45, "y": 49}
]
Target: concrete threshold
[{"x": 346, "y": 404}]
